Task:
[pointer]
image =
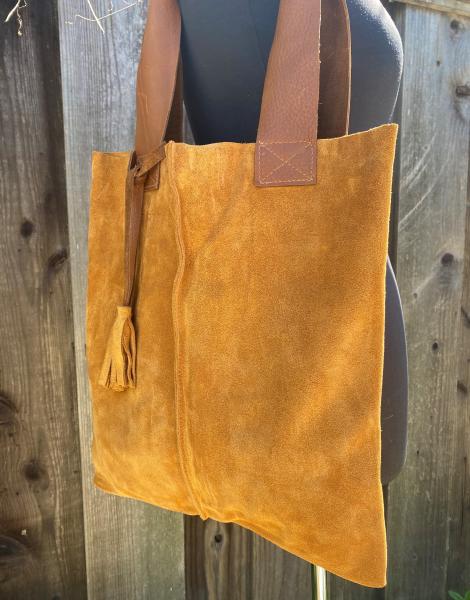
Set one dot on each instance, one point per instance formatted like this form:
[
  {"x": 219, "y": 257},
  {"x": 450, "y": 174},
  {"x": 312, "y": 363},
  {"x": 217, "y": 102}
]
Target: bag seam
[{"x": 184, "y": 450}]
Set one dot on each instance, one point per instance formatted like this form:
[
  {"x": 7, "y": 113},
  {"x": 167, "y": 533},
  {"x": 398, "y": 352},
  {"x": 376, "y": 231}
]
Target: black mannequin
[{"x": 225, "y": 49}]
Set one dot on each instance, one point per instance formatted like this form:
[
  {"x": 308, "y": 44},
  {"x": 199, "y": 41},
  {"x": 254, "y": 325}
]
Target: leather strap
[
  {"x": 287, "y": 134},
  {"x": 137, "y": 174},
  {"x": 287, "y": 131},
  {"x": 288, "y": 128},
  {"x": 159, "y": 112},
  {"x": 156, "y": 78}
]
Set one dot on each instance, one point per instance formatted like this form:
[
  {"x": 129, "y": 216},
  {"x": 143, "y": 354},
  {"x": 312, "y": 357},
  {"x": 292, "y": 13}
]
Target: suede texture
[{"x": 259, "y": 320}]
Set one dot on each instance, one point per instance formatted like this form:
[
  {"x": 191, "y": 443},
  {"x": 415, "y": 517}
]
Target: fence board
[
  {"x": 41, "y": 522},
  {"x": 133, "y": 550},
  {"x": 225, "y": 561},
  {"x": 458, "y": 571},
  {"x": 433, "y": 166},
  {"x": 455, "y": 7}
]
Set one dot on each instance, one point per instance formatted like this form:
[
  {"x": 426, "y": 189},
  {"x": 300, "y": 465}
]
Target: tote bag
[{"x": 235, "y": 317}]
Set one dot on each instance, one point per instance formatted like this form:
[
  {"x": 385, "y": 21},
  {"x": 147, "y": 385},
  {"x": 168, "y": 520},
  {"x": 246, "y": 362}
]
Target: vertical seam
[{"x": 184, "y": 451}]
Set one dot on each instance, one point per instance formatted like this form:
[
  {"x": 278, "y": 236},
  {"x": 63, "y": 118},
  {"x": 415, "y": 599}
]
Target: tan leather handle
[
  {"x": 288, "y": 128},
  {"x": 296, "y": 93},
  {"x": 157, "y": 78},
  {"x": 287, "y": 135},
  {"x": 287, "y": 132}
]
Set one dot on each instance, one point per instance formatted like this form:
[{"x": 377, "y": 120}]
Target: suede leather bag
[{"x": 235, "y": 318}]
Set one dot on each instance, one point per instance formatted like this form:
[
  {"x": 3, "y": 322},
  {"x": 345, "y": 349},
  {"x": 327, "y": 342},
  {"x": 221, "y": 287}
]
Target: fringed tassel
[{"x": 118, "y": 370}]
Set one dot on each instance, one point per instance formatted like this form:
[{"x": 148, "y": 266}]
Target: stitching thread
[
  {"x": 264, "y": 179},
  {"x": 286, "y": 162},
  {"x": 309, "y": 142}
]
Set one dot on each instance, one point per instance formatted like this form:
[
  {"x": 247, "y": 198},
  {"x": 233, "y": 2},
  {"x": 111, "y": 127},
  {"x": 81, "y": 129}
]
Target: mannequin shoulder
[{"x": 372, "y": 28}]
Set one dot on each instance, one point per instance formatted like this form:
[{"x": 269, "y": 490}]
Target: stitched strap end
[{"x": 285, "y": 163}]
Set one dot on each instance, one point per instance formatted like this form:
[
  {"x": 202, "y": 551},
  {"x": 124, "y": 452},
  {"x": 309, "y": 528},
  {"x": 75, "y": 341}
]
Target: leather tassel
[{"x": 118, "y": 370}]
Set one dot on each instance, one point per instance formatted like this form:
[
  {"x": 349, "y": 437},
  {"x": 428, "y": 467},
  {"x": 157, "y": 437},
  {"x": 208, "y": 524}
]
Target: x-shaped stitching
[{"x": 286, "y": 161}]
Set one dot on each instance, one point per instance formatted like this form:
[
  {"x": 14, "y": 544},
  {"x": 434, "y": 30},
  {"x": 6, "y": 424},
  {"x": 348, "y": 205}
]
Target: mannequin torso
[{"x": 225, "y": 49}]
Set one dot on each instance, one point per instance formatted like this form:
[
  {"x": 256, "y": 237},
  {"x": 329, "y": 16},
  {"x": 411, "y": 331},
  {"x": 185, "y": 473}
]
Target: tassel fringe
[{"x": 118, "y": 370}]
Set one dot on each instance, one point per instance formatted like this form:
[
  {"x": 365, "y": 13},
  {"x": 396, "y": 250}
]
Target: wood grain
[
  {"x": 225, "y": 561},
  {"x": 133, "y": 550},
  {"x": 41, "y": 521},
  {"x": 455, "y": 7},
  {"x": 433, "y": 165},
  {"x": 458, "y": 569}
]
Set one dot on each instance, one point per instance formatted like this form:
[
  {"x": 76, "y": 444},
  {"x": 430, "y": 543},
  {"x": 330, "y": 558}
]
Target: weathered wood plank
[
  {"x": 133, "y": 550},
  {"x": 278, "y": 574},
  {"x": 41, "y": 520},
  {"x": 346, "y": 590},
  {"x": 456, "y": 7},
  {"x": 433, "y": 165},
  {"x": 458, "y": 570},
  {"x": 227, "y": 561}
]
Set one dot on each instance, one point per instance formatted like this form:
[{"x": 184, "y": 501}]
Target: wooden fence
[{"x": 66, "y": 89}]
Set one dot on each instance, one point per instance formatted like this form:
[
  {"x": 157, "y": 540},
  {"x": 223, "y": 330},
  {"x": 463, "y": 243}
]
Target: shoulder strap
[
  {"x": 156, "y": 78},
  {"x": 288, "y": 128},
  {"x": 287, "y": 131},
  {"x": 287, "y": 134}
]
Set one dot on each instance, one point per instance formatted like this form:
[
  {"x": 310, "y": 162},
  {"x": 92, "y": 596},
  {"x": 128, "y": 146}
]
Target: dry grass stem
[
  {"x": 16, "y": 11},
  {"x": 94, "y": 18}
]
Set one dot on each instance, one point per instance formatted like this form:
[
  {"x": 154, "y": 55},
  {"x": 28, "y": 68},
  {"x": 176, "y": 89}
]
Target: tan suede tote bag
[{"x": 235, "y": 321}]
